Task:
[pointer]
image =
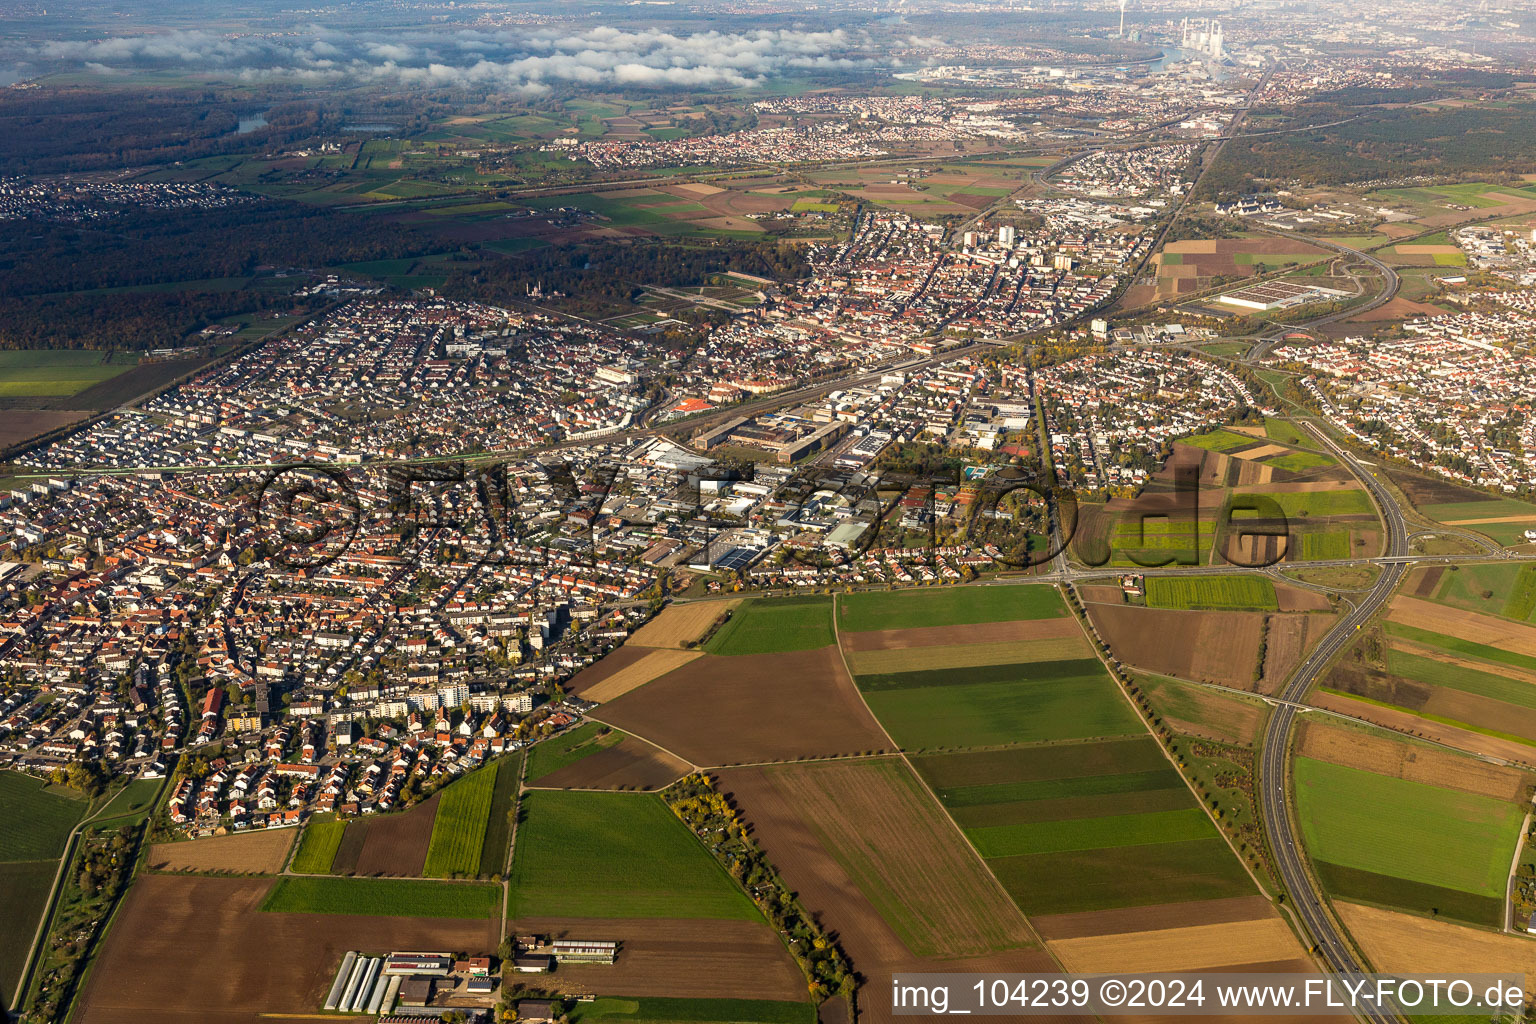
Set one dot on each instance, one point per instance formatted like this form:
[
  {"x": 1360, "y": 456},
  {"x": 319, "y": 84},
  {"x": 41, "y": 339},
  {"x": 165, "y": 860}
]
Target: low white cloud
[{"x": 528, "y": 62}]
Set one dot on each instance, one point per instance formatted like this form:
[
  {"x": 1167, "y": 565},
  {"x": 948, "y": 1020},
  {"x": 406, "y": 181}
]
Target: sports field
[
  {"x": 949, "y": 606},
  {"x": 615, "y": 855},
  {"x": 382, "y": 897},
  {"x": 458, "y": 831},
  {"x": 1406, "y": 844},
  {"x": 775, "y": 626},
  {"x": 1086, "y": 826},
  {"x": 1238, "y": 592}
]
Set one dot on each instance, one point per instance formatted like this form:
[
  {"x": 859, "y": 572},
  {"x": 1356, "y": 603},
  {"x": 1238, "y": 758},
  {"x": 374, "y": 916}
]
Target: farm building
[
  {"x": 535, "y": 1009},
  {"x": 533, "y": 964},
  {"x": 416, "y": 991},
  {"x": 419, "y": 963},
  {"x": 585, "y": 951}
]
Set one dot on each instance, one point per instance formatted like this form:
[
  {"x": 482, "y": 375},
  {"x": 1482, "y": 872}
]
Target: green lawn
[
  {"x": 317, "y": 847},
  {"x": 946, "y": 606},
  {"x": 34, "y": 823},
  {"x": 458, "y": 830},
  {"x": 382, "y": 897},
  {"x": 549, "y": 756},
  {"x": 1409, "y": 830},
  {"x": 581, "y": 854},
  {"x": 775, "y": 626},
  {"x": 1219, "y": 592}
]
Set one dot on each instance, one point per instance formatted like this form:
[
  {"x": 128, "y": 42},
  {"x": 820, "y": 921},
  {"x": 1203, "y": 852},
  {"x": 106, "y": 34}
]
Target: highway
[{"x": 1275, "y": 750}]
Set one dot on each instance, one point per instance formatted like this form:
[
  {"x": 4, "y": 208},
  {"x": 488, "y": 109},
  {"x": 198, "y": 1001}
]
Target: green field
[
  {"x": 1406, "y": 830},
  {"x": 34, "y": 823},
  {"x": 1459, "y": 646},
  {"x": 1323, "y": 545},
  {"x": 1497, "y": 508},
  {"x": 317, "y": 847},
  {"x": 551, "y": 755},
  {"x": 498, "y": 829},
  {"x": 55, "y": 373},
  {"x": 997, "y": 704},
  {"x": 1285, "y": 432},
  {"x": 1319, "y": 503},
  {"x": 775, "y": 626},
  {"x": 23, "y": 898},
  {"x": 1298, "y": 462},
  {"x": 582, "y": 854},
  {"x": 382, "y": 897},
  {"x": 1460, "y": 677},
  {"x": 1507, "y": 589},
  {"x": 1219, "y": 441},
  {"x": 660, "y": 1010},
  {"x": 947, "y": 606},
  {"x": 131, "y": 804},
  {"x": 1085, "y": 826},
  {"x": 1207, "y": 592},
  {"x": 458, "y": 830}
]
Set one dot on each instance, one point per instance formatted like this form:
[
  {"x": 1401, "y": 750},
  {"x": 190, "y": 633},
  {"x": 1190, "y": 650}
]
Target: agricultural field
[
  {"x": 681, "y": 625},
  {"x": 1220, "y": 647},
  {"x": 168, "y": 921},
  {"x": 393, "y": 844},
  {"x": 317, "y": 848},
  {"x": 1212, "y": 592},
  {"x": 58, "y": 373},
  {"x": 947, "y": 606},
  {"x": 262, "y": 852},
  {"x": 1192, "y": 265},
  {"x": 615, "y": 855},
  {"x": 1086, "y": 826},
  {"x": 458, "y": 830},
  {"x": 914, "y": 867},
  {"x": 390, "y": 897},
  {"x": 571, "y": 746},
  {"x": 774, "y": 626},
  {"x": 628, "y": 668},
  {"x": 24, "y": 886},
  {"x": 746, "y": 708},
  {"x": 1505, "y": 520},
  {"x": 35, "y": 820},
  {"x": 1470, "y": 670},
  {"x": 662, "y": 1010},
  {"x": 1408, "y": 944},
  {"x": 1405, "y": 844}
]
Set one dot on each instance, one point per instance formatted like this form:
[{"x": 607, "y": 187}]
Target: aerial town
[{"x": 656, "y": 513}]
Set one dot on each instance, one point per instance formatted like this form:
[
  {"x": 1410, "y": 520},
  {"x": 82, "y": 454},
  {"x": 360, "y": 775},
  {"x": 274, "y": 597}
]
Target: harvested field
[
  {"x": 654, "y": 665},
  {"x": 1215, "y": 647},
  {"x": 681, "y": 624},
  {"x": 878, "y": 822},
  {"x": 632, "y": 764},
  {"x": 18, "y": 425},
  {"x": 976, "y": 633},
  {"x": 662, "y": 957},
  {"x": 1056, "y": 927},
  {"x": 262, "y": 853},
  {"x": 387, "y": 845},
  {"x": 1358, "y": 748},
  {"x": 1193, "y": 948},
  {"x": 609, "y": 665},
  {"x": 1290, "y": 638},
  {"x": 1408, "y": 944},
  {"x": 716, "y": 711},
  {"x": 1011, "y": 652},
  {"x": 1199, "y": 711},
  {"x": 169, "y": 921},
  {"x": 1300, "y": 599},
  {"x": 830, "y": 894},
  {"x": 1412, "y": 725},
  {"x": 1464, "y": 625}
]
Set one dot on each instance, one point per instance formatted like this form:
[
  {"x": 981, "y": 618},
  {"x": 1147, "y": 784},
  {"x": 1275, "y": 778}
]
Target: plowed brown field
[
  {"x": 1213, "y": 647},
  {"x": 658, "y": 957},
  {"x": 954, "y": 636},
  {"x": 1406, "y": 944},
  {"x": 1357, "y": 748},
  {"x": 175, "y": 929},
  {"x": 264, "y": 852},
  {"x": 1464, "y": 625},
  {"x": 751, "y": 707},
  {"x": 829, "y": 892},
  {"x": 392, "y": 845},
  {"x": 655, "y": 664},
  {"x": 631, "y": 764}
]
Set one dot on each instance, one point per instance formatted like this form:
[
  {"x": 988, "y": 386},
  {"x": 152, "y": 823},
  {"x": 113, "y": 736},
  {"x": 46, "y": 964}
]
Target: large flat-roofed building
[
  {"x": 1278, "y": 295},
  {"x": 419, "y": 963}
]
